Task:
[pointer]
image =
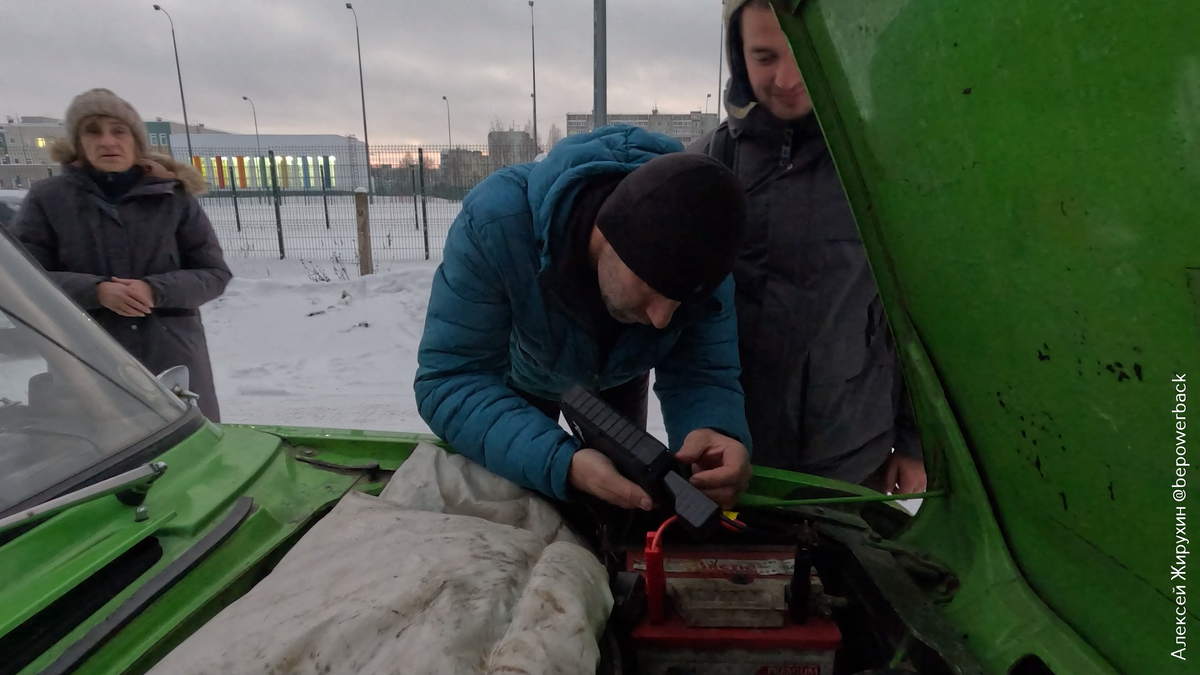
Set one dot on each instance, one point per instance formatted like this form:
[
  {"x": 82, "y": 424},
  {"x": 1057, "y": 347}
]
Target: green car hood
[{"x": 1026, "y": 177}]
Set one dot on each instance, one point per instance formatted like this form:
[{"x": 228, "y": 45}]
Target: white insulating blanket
[{"x": 450, "y": 570}]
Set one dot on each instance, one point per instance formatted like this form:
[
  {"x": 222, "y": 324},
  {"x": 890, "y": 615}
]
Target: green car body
[
  {"x": 1025, "y": 178},
  {"x": 1021, "y": 174}
]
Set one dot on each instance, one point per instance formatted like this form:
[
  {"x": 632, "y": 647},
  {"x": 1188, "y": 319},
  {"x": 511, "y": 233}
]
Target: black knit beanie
[{"x": 677, "y": 222}]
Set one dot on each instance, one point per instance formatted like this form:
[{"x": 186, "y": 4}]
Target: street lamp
[
  {"x": 186, "y": 129},
  {"x": 261, "y": 173},
  {"x": 599, "y": 64},
  {"x": 721, "y": 60},
  {"x": 707, "y": 98},
  {"x": 448, "y": 136},
  {"x": 533, "y": 54},
  {"x": 362, "y": 92},
  {"x": 255, "y": 111}
]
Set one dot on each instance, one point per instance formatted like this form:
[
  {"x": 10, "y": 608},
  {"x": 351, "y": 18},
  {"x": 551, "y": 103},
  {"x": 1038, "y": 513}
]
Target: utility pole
[
  {"x": 259, "y": 174},
  {"x": 255, "y": 111},
  {"x": 721, "y": 64},
  {"x": 600, "y": 67},
  {"x": 533, "y": 52},
  {"x": 363, "y": 93},
  {"x": 187, "y": 129}
]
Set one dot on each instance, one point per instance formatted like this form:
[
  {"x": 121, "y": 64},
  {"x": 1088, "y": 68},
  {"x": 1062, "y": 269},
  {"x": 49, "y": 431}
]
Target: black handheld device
[{"x": 639, "y": 457}]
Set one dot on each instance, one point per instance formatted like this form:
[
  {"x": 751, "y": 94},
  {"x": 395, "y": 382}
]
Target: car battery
[{"x": 724, "y": 611}]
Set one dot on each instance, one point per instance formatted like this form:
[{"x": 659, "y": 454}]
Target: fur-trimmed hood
[{"x": 155, "y": 165}]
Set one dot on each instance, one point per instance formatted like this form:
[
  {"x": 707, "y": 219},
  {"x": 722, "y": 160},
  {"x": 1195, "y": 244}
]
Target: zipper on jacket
[{"x": 786, "y": 154}]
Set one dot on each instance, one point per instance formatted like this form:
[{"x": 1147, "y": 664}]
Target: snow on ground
[
  {"x": 339, "y": 353},
  {"x": 289, "y": 350}
]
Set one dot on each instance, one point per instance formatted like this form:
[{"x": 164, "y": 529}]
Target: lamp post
[
  {"x": 721, "y": 61},
  {"x": 599, "y": 64},
  {"x": 255, "y": 111},
  {"x": 363, "y": 93},
  {"x": 187, "y": 130},
  {"x": 450, "y": 151},
  {"x": 449, "y": 137},
  {"x": 533, "y": 54},
  {"x": 260, "y": 174},
  {"x": 707, "y": 98}
]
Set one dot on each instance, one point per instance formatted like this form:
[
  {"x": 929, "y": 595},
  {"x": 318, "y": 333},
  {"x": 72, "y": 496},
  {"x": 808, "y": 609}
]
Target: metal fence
[
  {"x": 23, "y": 176},
  {"x": 298, "y": 202}
]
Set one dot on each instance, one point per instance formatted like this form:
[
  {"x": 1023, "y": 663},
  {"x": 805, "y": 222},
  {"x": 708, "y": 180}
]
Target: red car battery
[{"x": 723, "y": 611}]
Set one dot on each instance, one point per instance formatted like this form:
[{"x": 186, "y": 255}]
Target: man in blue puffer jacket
[{"x": 608, "y": 258}]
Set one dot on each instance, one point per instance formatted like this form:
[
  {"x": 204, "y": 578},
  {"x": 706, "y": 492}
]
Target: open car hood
[{"x": 1026, "y": 179}]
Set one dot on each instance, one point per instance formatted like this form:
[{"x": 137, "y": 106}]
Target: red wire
[
  {"x": 730, "y": 524},
  {"x": 659, "y": 532}
]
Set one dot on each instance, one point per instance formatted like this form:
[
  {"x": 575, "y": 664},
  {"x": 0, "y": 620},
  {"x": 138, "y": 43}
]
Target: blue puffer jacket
[{"x": 495, "y": 324}]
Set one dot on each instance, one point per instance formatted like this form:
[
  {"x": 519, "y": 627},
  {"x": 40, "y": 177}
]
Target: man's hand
[
  {"x": 904, "y": 475},
  {"x": 593, "y": 473},
  {"x": 124, "y": 298},
  {"x": 720, "y": 465}
]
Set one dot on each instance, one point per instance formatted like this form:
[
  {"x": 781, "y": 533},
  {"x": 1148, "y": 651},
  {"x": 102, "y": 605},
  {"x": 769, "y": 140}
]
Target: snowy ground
[{"x": 289, "y": 350}]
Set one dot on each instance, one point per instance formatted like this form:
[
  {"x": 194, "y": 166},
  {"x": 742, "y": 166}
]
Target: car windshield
[{"x": 70, "y": 396}]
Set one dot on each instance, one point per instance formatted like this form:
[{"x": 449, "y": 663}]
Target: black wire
[{"x": 736, "y": 523}]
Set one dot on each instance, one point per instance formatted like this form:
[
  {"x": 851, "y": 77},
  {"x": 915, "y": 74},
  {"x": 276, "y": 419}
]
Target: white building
[
  {"x": 27, "y": 140},
  {"x": 302, "y": 161},
  {"x": 687, "y": 128},
  {"x": 506, "y": 148}
]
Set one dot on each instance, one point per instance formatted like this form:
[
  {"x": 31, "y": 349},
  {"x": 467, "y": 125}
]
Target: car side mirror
[{"x": 176, "y": 379}]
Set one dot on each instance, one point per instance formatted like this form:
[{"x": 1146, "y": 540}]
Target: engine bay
[{"x": 803, "y": 591}]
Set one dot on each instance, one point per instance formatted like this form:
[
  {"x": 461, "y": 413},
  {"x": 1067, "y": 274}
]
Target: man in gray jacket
[{"x": 824, "y": 390}]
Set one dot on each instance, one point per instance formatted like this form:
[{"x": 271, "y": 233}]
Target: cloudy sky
[{"x": 297, "y": 60}]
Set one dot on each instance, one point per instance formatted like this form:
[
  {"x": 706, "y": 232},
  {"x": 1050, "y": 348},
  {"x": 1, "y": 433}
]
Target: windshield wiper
[{"x": 137, "y": 481}]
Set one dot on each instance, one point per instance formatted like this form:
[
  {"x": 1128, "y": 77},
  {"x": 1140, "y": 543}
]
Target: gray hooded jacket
[
  {"x": 824, "y": 390},
  {"x": 156, "y": 232}
]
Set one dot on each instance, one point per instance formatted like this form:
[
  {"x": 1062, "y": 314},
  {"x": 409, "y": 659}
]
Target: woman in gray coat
[{"x": 121, "y": 231}]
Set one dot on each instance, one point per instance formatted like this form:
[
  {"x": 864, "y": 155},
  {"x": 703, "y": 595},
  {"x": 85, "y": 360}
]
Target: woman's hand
[{"x": 127, "y": 297}]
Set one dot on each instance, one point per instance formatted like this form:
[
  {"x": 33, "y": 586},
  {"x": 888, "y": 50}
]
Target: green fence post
[
  {"x": 233, "y": 186},
  {"x": 324, "y": 192},
  {"x": 424, "y": 211},
  {"x": 278, "y": 199},
  {"x": 416, "y": 216}
]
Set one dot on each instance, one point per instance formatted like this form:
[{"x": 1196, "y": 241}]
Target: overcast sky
[{"x": 297, "y": 60}]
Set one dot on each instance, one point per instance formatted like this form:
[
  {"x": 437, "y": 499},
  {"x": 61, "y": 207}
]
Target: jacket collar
[{"x": 150, "y": 183}]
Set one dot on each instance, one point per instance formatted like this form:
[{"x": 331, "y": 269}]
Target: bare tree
[
  {"x": 529, "y": 132},
  {"x": 497, "y": 124},
  {"x": 554, "y": 135}
]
